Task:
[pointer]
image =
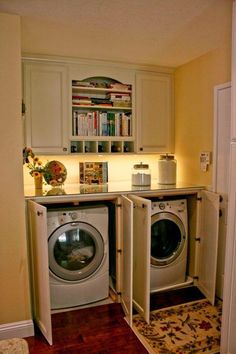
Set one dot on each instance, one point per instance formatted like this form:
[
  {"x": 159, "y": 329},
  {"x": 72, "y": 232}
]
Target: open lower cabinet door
[
  {"x": 127, "y": 258},
  {"x": 208, "y": 247},
  {"x": 141, "y": 255},
  {"x": 40, "y": 268}
]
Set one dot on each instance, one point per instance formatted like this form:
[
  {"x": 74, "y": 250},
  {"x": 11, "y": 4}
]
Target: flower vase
[{"x": 38, "y": 181}]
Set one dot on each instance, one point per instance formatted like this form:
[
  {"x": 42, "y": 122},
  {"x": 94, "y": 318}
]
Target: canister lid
[
  {"x": 167, "y": 157},
  {"x": 141, "y": 166}
]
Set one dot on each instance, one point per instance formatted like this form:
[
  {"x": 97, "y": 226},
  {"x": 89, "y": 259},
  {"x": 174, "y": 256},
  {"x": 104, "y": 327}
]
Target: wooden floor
[{"x": 101, "y": 329}]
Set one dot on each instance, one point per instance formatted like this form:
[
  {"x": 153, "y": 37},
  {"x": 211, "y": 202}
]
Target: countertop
[{"x": 71, "y": 192}]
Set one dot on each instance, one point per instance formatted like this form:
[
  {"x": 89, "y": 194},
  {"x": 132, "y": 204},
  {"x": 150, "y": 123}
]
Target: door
[
  {"x": 208, "y": 247},
  {"x": 45, "y": 95},
  {"x": 40, "y": 268},
  {"x": 154, "y": 113},
  {"x": 127, "y": 257},
  {"x": 222, "y": 121},
  {"x": 141, "y": 255}
]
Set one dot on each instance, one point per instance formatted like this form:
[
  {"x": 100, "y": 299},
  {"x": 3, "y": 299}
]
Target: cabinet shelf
[
  {"x": 98, "y": 90},
  {"x": 101, "y": 146},
  {"x": 107, "y": 108}
]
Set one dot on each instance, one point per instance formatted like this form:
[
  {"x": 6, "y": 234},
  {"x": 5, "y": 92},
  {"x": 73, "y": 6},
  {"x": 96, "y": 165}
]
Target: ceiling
[{"x": 155, "y": 32}]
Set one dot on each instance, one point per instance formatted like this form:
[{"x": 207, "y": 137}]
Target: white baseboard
[{"x": 21, "y": 329}]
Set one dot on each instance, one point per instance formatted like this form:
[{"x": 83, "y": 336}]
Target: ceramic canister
[{"x": 167, "y": 169}]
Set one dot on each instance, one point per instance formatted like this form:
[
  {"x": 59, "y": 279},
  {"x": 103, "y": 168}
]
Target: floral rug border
[{"x": 174, "y": 330}]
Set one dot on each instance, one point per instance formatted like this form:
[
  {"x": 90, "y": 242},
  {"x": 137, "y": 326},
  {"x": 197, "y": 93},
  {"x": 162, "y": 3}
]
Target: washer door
[
  {"x": 167, "y": 238},
  {"x": 76, "y": 250}
]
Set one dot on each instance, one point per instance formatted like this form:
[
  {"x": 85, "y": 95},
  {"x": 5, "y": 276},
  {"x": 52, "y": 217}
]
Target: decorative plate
[{"x": 55, "y": 173}]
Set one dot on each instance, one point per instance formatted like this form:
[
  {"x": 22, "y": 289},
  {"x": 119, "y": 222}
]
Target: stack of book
[
  {"x": 119, "y": 99},
  {"x": 81, "y": 100},
  {"x": 120, "y": 87}
]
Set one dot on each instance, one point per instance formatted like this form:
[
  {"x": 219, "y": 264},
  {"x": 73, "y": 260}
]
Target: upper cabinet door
[
  {"x": 47, "y": 109},
  {"x": 141, "y": 255},
  {"x": 40, "y": 268},
  {"x": 127, "y": 257},
  {"x": 154, "y": 113},
  {"x": 208, "y": 230}
]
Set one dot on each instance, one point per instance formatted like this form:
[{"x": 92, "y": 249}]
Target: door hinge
[
  {"x": 118, "y": 205},
  {"x": 119, "y": 250},
  {"x": 197, "y": 239},
  {"x": 119, "y": 292},
  {"x": 199, "y": 199},
  {"x": 196, "y": 277}
]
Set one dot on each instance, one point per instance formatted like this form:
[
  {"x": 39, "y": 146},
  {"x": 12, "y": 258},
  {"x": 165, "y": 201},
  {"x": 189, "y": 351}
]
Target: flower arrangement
[
  {"x": 33, "y": 163},
  {"x": 54, "y": 172}
]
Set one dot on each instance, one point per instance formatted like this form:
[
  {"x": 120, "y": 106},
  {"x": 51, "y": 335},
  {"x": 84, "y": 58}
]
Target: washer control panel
[{"x": 177, "y": 205}]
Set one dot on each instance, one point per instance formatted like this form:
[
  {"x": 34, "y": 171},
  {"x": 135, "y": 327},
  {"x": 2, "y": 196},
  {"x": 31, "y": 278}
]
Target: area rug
[
  {"x": 190, "y": 328},
  {"x": 14, "y": 346}
]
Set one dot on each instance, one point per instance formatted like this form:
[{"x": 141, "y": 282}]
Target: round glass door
[
  {"x": 76, "y": 250},
  {"x": 167, "y": 238}
]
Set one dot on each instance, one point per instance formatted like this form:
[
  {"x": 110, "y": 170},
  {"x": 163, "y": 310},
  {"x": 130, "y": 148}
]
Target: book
[{"x": 93, "y": 172}]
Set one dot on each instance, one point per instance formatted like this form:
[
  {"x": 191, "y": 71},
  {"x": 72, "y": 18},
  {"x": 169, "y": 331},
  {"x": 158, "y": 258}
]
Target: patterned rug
[{"x": 190, "y": 328}]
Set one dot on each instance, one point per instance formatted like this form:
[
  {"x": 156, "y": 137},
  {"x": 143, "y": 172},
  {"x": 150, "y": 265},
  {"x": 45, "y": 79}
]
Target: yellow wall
[
  {"x": 14, "y": 288},
  {"x": 194, "y": 111}
]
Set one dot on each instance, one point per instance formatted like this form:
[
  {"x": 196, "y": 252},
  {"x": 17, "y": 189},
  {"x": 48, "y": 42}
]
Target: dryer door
[
  {"x": 76, "y": 250},
  {"x": 168, "y": 237}
]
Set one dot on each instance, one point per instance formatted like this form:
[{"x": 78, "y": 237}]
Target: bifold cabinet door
[
  {"x": 208, "y": 247},
  {"x": 141, "y": 255},
  {"x": 127, "y": 258},
  {"x": 40, "y": 268}
]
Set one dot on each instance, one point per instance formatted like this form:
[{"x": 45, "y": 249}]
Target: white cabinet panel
[
  {"x": 141, "y": 255},
  {"x": 155, "y": 124},
  {"x": 207, "y": 263},
  {"x": 127, "y": 258},
  {"x": 46, "y": 101},
  {"x": 40, "y": 268}
]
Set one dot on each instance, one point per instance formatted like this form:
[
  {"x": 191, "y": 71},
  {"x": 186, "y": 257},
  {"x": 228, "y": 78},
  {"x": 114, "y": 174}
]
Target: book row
[{"x": 98, "y": 123}]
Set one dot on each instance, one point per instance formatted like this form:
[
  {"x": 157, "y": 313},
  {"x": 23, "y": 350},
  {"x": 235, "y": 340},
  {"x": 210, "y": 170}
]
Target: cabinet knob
[
  {"x": 141, "y": 149},
  {"x": 64, "y": 149}
]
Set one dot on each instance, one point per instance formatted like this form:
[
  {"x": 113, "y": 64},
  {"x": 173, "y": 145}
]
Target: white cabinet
[
  {"x": 154, "y": 113},
  {"x": 133, "y": 218},
  {"x": 46, "y": 103},
  {"x": 63, "y": 114},
  {"x": 135, "y": 248}
]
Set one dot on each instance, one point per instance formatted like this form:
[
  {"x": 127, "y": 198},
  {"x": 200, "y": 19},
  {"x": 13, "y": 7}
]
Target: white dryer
[
  {"x": 169, "y": 238},
  {"x": 78, "y": 255}
]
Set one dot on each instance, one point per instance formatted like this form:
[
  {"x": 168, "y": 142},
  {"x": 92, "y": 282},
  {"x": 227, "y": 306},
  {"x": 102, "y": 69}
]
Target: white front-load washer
[
  {"x": 169, "y": 238},
  {"x": 78, "y": 255}
]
